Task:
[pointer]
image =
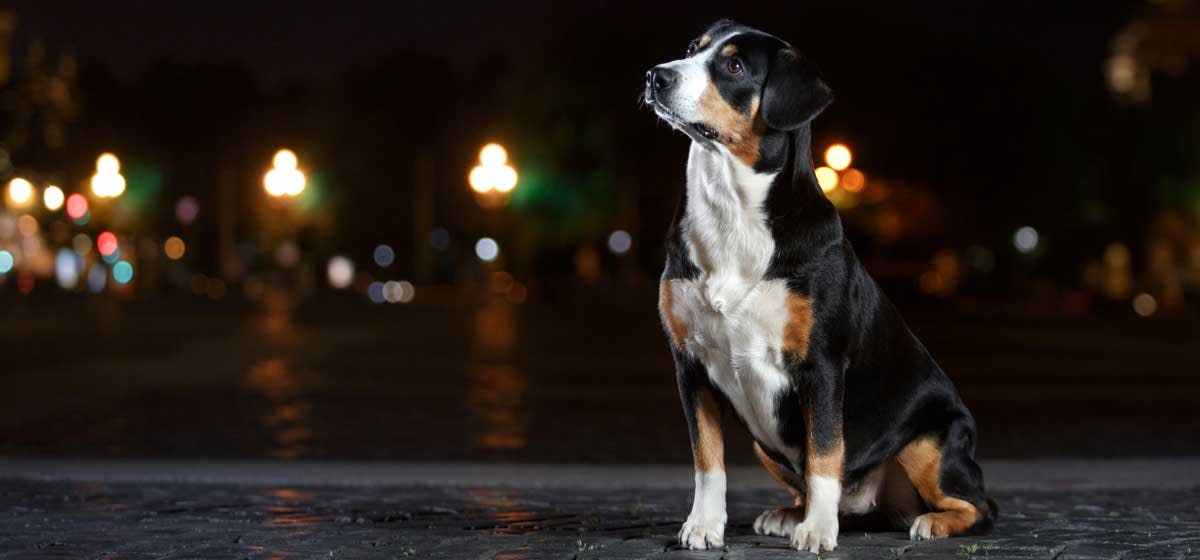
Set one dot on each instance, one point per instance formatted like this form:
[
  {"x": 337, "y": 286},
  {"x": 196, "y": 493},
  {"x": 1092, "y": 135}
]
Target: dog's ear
[{"x": 795, "y": 92}]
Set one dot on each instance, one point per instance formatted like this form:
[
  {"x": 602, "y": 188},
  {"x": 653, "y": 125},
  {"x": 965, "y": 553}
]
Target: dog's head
[{"x": 735, "y": 86}]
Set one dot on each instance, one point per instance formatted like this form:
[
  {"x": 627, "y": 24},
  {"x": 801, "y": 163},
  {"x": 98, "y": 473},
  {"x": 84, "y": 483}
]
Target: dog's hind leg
[
  {"x": 950, "y": 483},
  {"x": 780, "y": 521}
]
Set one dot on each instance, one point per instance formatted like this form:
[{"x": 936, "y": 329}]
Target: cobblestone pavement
[{"x": 91, "y": 520}]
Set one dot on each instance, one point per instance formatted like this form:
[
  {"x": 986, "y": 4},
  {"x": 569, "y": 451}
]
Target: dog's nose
[{"x": 661, "y": 79}]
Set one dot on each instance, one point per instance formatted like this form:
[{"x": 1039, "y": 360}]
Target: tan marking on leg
[
  {"x": 666, "y": 302},
  {"x": 740, "y": 132},
  {"x": 799, "y": 325},
  {"x": 708, "y": 450},
  {"x": 728, "y": 50},
  {"x": 784, "y": 478},
  {"x": 825, "y": 462},
  {"x": 704, "y": 41},
  {"x": 922, "y": 462}
]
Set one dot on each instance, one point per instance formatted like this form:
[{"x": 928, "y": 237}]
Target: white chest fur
[{"x": 734, "y": 319}]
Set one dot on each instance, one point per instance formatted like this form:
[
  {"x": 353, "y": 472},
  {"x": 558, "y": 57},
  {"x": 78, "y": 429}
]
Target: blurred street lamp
[
  {"x": 20, "y": 192},
  {"x": 827, "y": 178},
  {"x": 108, "y": 181},
  {"x": 487, "y": 249},
  {"x": 1025, "y": 239},
  {"x": 283, "y": 179},
  {"x": 340, "y": 272},
  {"x": 853, "y": 180},
  {"x": 619, "y": 242},
  {"x": 77, "y": 206},
  {"x": 493, "y": 175},
  {"x": 838, "y": 157},
  {"x": 53, "y": 197}
]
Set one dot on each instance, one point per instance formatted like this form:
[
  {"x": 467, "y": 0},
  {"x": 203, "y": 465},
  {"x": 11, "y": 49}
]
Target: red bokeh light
[
  {"x": 77, "y": 206},
  {"x": 107, "y": 243}
]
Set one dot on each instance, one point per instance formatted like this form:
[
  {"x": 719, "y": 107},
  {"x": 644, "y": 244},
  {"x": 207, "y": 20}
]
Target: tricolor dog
[{"x": 771, "y": 317}]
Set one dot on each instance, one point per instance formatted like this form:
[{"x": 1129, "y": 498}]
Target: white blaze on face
[{"x": 684, "y": 99}]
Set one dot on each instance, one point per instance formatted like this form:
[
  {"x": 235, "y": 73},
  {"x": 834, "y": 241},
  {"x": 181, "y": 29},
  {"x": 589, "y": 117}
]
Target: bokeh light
[
  {"x": 97, "y": 278},
  {"x": 480, "y": 179},
  {"x": 487, "y": 249},
  {"x": 407, "y": 291},
  {"x": 493, "y": 155},
  {"x": 493, "y": 172},
  {"x": 77, "y": 206},
  {"x": 853, "y": 180},
  {"x": 392, "y": 291},
  {"x": 827, "y": 178},
  {"x": 20, "y": 192},
  {"x": 375, "y": 292},
  {"x": 384, "y": 255},
  {"x": 1025, "y": 239},
  {"x": 284, "y": 179},
  {"x": 1144, "y": 305},
  {"x": 108, "y": 181},
  {"x": 619, "y": 242},
  {"x": 108, "y": 163},
  {"x": 174, "y": 248},
  {"x": 186, "y": 210},
  {"x": 505, "y": 179},
  {"x": 838, "y": 157},
  {"x": 27, "y": 225},
  {"x": 82, "y": 244},
  {"x": 67, "y": 267},
  {"x": 6, "y": 261},
  {"x": 106, "y": 243},
  {"x": 122, "y": 272},
  {"x": 284, "y": 159},
  {"x": 401, "y": 291},
  {"x": 340, "y": 272},
  {"x": 53, "y": 198}
]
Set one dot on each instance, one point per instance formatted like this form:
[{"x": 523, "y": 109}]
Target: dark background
[{"x": 969, "y": 121}]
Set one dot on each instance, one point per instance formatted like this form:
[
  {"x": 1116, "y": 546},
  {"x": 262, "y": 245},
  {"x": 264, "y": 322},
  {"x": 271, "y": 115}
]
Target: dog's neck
[
  {"x": 726, "y": 228},
  {"x": 799, "y": 177},
  {"x": 740, "y": 223},
  {"x": 803, "y": 221}
]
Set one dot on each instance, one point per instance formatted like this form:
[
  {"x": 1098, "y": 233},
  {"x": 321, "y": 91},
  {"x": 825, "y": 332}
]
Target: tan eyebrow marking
[
  {"x": 729, "y": 50},
  {"x": 704, "y": 41}
]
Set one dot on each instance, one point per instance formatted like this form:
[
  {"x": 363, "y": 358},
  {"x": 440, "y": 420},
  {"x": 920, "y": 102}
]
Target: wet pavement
[
  {"x": 585, "y": 380},
  {"x": 494, "y": 387},
  {"x": 107, "y": 520}
]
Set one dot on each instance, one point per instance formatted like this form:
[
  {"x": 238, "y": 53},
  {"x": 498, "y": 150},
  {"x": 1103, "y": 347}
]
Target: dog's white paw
[
  {"x": 702, "y": 533},
  {"x": 922, "y": 529},
  {"x": 816, "y": 533},
  {"x": 778, "y": 522}
]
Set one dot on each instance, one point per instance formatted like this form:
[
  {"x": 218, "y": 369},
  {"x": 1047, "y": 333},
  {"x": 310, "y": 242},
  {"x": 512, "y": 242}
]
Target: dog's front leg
[
  {"x": 705, "y": 526},
  {"x": 824, "y": 460}
]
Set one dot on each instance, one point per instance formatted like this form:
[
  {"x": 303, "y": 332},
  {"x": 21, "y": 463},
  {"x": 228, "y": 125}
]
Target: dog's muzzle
[{"x": 659, "y": 82}]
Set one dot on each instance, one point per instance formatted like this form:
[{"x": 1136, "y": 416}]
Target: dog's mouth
[{"x": 704, "y": 131}]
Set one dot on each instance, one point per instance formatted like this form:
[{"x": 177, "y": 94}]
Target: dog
[{"x": 770, "y": 316}]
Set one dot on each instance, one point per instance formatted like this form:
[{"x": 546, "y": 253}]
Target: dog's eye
[
  {"x": 733, "y": 66},
  {"x": 692, "y": 47}
]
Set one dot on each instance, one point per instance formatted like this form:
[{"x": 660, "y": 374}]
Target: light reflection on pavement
[{"x": 584, "y": 382}]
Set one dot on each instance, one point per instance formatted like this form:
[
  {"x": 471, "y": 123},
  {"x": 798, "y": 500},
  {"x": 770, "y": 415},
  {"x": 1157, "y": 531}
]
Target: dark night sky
[{"x": 311, "y": 39}]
